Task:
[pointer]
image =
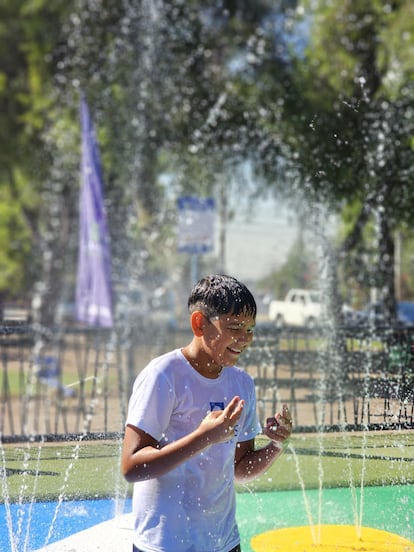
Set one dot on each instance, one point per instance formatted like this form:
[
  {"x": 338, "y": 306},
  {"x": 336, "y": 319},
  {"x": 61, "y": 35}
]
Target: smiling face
[
  {"x": 225, "y": 337},
  {"x": 223, "y": 315}
]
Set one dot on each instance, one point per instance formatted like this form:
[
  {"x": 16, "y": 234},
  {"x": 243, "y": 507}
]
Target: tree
[
  {"x": 28, "y": 33},
  {"x": 344, "y": 121},
  {"x": 157, "y": 76},
  {"x": 181, "y": 93}
]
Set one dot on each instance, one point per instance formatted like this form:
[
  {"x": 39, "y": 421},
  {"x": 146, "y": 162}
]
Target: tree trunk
[{"x": 386, "y": 268}]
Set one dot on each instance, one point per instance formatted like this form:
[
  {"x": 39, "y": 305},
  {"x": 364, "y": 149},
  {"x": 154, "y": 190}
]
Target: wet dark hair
[{"x": 220, "y": 294}]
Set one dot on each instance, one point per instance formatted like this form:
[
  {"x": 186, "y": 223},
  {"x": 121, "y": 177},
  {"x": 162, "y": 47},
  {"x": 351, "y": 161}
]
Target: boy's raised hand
[
  {"x": 279, "y": 428},
  {"x": 218, "y": 425}
]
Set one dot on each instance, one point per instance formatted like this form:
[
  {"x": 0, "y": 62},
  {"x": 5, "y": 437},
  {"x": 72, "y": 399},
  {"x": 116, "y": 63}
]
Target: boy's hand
[
  {"x": 279, "y": 428},
  {"x": 219, "y": 425}
]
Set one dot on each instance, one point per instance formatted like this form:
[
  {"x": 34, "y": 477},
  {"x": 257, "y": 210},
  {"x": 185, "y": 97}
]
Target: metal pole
[{"x": 223, "y": 225}]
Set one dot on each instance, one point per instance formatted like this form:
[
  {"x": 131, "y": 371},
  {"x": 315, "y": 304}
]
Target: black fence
[
  {"x": 76, "y": 381},
  {"x": 353, "y": 379}
]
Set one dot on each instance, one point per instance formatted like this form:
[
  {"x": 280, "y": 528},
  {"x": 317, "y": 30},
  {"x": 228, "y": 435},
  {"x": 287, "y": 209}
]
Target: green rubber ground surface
[{"x": 388, "y": 508}]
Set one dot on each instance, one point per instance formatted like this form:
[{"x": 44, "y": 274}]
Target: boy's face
[{"x": 227, "y": 336}]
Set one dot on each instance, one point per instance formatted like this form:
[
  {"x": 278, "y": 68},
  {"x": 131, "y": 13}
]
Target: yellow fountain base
[{"x": 330, "y": 538}]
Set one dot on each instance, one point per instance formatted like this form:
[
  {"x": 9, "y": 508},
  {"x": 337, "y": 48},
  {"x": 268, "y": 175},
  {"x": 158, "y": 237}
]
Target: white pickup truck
[{"x": 301, "y": 307}]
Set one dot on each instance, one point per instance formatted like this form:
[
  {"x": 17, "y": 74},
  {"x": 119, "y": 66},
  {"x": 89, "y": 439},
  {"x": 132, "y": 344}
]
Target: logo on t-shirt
[
  {"x": 220, "y": 406},
  {"x": 216, "y": 406}
]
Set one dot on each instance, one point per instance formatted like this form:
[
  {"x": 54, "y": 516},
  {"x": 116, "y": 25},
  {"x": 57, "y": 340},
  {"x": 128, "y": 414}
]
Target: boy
[{"x": 191, "y": 428}]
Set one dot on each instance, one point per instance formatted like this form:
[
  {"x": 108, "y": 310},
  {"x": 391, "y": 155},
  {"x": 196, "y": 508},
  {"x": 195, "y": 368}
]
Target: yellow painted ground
[{"x": 330, "y": 538}]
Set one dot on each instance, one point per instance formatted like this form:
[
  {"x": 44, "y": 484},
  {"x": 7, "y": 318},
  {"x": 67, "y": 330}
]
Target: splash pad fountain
[
  {"x": 356, "y": 525},
  {"x": 315, "y": 516}
]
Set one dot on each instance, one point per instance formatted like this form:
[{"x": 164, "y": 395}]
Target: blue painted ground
[
  {"x": 31, "y": 522},
  {"x": 387, "y": 508}
]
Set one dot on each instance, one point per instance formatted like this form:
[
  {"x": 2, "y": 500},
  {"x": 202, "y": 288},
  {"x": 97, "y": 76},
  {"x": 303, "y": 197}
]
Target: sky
[
  {"x": 260, "y": 233},
  {"x": 258, "y": 239}
]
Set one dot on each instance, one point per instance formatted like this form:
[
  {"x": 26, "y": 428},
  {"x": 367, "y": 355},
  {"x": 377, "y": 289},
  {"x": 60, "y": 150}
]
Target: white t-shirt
[{"x": 191, "y": 508}]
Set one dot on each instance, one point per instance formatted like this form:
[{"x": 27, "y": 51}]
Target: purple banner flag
[{"x": 93, "y": 286}]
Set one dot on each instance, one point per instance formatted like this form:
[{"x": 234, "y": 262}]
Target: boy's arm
[
  {"x": 250, "y": 462},
  {"x": 143, "y": 458}
]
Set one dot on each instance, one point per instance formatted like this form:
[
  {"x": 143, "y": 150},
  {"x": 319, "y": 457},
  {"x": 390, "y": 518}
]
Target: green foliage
[
  {"x": 15, "y": 236},
  {"x": 346, "y": 121},
  {"x": 28, "y": 31},
  {"x": 182, "y": 93},
  {"x": 158, "y": 82}
]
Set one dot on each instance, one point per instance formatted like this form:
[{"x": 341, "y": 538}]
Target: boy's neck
[{"x": 202, "y": 363}]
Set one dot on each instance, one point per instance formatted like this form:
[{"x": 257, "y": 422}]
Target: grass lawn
[{"x": 91, "y": 469}]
